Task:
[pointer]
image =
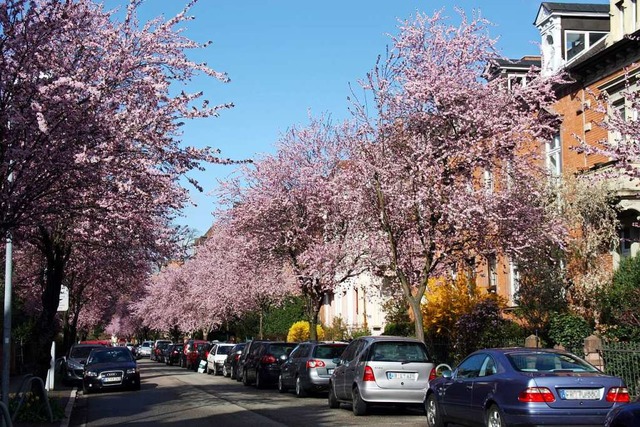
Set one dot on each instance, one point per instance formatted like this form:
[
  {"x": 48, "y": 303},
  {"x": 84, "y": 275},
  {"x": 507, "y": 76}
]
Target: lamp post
[{"x": 6, "y": 341}]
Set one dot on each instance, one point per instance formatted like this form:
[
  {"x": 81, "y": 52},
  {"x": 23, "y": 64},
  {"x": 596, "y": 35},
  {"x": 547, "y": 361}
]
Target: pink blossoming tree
[{"x": 444, "y": 166}]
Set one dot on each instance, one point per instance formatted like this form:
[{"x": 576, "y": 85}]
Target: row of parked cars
[{"x": 492, "y": 387}]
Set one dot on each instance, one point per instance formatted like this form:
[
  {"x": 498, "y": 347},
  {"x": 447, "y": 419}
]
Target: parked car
[
  {"x": 216, "y": 357},
  {"x": 309, "y": 367},
  {"x": 72, "y": 366},
  {"x": 173, "y": 353},
  {"x": 157, "y": 349},
  {"x": 243, "y": 357},
  {"x": 110, "y": 367},
  {"x": 190, "y": 354},
  {"x": 145, "y": 349},
  {"x": 523, "y": 386},
  {"x": 627, "y": 415},
  {"x": 262, "y": 364},
  {"x": 132, "y": 348},
  {"x": 230, "y": 366},
  {"x": 381, "y": 370}
]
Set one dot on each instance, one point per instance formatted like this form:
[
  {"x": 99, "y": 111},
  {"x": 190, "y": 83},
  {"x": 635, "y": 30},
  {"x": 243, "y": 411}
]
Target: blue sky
[{"x": 286, "y": 58}]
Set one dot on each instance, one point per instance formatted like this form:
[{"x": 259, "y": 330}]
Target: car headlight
[
  {"x": 131, "y": 371},
  {"x": 91, "y": 374}
]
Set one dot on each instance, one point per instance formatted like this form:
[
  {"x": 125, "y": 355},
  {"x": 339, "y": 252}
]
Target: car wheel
[
  {"x": 232, "y": 373},
  {"x": 300, "y": 391},
  {"x": 434, "y": 419},
  {"x": 281, "y": 387},
  {"x": 215, "y": 370},
  {"x": 225, "y": 372},
  {"x": 259, "y": 380},
  {"x": 85, "y": 389},
  {"x": 245, "y": 379},
  {"x": 136, "y": 387},
  {"x": 494, "y": 417},
  {"x": 359, "y": 406},
  {"x": 333, "y": 399}
]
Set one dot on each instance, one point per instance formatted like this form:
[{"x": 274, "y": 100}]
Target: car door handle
[{"x": 469, "y": 386}]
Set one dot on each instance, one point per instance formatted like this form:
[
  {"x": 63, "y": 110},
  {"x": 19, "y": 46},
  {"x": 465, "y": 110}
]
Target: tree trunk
[
  {"x": 56, "y": 254},
  {"x": 414, "y": 303}
]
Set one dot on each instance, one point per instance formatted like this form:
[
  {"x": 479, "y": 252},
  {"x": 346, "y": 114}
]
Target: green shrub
[
  {"x": 34, "y": 409},
  {"x": 569, "y": 330},
  {"x": 359, "y": 332}
]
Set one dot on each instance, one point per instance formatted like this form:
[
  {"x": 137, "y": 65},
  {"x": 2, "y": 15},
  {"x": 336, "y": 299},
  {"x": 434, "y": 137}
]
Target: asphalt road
[{"x": 173, "y": 396}]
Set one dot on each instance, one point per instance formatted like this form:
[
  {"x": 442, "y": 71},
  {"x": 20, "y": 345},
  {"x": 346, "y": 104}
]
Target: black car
[
  {"x": 160, "y": 350},
  {"x": 110, "y": 367},
  {"x": 262, "y": 364},
  {"x": 72, "y": 365},
  {"x": 230, "y": 367},
  {"x": 172, "y": 354}
]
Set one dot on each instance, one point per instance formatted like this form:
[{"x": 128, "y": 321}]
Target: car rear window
[
  {"x": 278, "y": 350},
  {"x": 548, "y": 362},
  {"x": 223, "y": 349},
  {"x": 398, "y": 352},
  {"x": 81, "y": 352},
  {"x": 329, "y": 351}
]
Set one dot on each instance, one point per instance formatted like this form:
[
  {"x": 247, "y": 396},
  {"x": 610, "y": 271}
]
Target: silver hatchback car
[
  {"x": 381, "y": 370},
  {"x": 309, "y": 367}
]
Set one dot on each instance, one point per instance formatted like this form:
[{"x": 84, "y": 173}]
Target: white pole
[{"x": 6, "y": 342}]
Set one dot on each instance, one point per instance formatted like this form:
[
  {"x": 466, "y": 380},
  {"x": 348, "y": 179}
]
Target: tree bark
[{"x": 56, "y": 254}]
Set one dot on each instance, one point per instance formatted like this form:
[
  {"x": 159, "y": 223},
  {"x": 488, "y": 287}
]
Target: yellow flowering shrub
[{"x": 299, "y": 331}]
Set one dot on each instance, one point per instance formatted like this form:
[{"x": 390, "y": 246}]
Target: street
[{"x": 172, "y": 396}]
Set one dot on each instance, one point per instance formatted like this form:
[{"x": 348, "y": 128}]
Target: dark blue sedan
[
  {"x": 110, "y": 367},
  {"x": 523, "y": 387},
  {"x": 624, "y": 416}
]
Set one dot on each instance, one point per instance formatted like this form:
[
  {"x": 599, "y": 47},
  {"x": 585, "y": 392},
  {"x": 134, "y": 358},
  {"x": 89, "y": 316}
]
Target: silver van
[{"x": 381, "y": 370}]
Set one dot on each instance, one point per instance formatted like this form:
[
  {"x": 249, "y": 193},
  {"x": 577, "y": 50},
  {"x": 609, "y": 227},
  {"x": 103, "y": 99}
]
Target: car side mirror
[
  {"x": 447, "y": 373},
  {"x": 337, "y": 361},
  {"x": 283, "y": 358}
]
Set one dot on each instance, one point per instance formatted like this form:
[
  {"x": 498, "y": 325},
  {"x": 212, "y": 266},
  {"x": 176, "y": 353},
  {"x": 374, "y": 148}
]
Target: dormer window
[{"x": 577, "y": 42}]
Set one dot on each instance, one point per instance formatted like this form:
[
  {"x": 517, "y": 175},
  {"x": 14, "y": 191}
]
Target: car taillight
[
  {"x": 268, "y": 359},
  {"x": 368, "y": 374},
  {"x": 206, "y": 354},
  {"x": 618, "y": 394},
  {"x": 536, "y": 394},
  {"x": 315, "y": 364},
  {"x": 432, "y": 374}
]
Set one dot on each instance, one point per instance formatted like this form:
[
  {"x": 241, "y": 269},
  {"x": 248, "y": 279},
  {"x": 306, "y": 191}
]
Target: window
[
  {"x": 470, "y": 368},
  {"x": 493, "y": 273},
  {"x": 514, "y": 80},
  {"x": 514, "y": 281},
  {"x": 577, "y": 42},
  {"x": 554, "y": 157},
  {"x": 488, "y": 181}
]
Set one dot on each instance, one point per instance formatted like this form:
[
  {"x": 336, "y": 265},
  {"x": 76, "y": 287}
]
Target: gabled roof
[
  {"x": 548, "y": 8},
  {"x": 523, "y": 63}
]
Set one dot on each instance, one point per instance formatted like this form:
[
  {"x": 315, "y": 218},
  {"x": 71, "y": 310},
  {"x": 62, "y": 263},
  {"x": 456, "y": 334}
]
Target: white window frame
[
  {"x": 553, "y": 150},
  {"x": 587, "y": 42}
]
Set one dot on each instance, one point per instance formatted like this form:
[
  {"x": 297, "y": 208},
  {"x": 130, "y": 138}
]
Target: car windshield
[
  {"x": 80, "y": 352},
  {"x": 328, "y": 351},
  {"x": 548, "y": 362},
  {"x": 407, "y": 352},
  {"x": 163, "y": 345},
  {"x": 223, "y": 349},
  {"x": 146, "y": 344},
  {"x": 109, "y": 356}
]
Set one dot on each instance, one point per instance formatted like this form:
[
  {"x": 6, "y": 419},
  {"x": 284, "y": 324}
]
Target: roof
[
  {"x": 576, "y": 7},
  {"x": 571, "y": 9},
  {"x": 526, "y": 62}
]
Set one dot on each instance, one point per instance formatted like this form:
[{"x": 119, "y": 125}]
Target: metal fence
[{"x": 623, "y": 360}]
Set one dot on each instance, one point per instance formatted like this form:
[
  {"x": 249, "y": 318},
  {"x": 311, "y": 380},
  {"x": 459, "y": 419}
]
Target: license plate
[
  {"x": 112, "y": 379},
  {"x": 329, "y": 371},
  {"x": 401, "y": 375},
  {"x": 580, "y": 394}
]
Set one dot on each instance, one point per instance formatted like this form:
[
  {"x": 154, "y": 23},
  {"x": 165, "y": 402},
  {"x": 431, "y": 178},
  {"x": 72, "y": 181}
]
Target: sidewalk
[{"x": 64, "y": 395}]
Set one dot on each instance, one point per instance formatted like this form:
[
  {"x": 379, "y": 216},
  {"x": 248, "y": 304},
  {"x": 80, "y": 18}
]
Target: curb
[{"x": 69, "y": 408}]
